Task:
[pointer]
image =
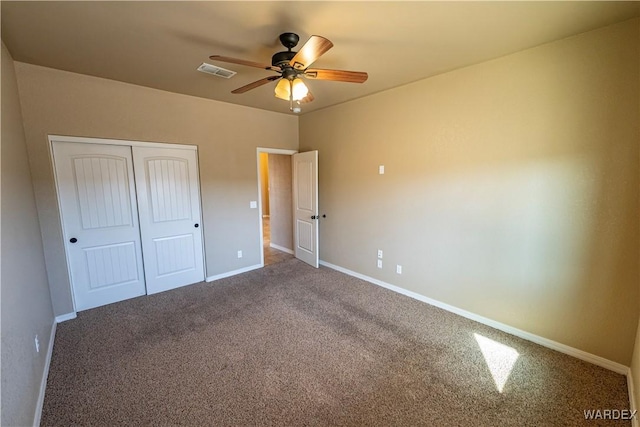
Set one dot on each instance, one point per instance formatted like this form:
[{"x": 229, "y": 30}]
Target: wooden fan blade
[
  {"x": 337, "y": 75},
  {"x": 255, "y": 84},
  {"x": 310, "y": 51},
  {"x": 243, "y": 62},
  {"x": 307, "y": 98}
]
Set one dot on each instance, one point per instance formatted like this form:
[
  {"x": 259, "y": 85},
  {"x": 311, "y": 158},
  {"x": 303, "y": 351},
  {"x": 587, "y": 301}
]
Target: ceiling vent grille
[{"x": 216, "y": 71}]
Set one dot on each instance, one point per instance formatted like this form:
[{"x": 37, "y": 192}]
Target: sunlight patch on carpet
[{"x": 500, "y": 359}]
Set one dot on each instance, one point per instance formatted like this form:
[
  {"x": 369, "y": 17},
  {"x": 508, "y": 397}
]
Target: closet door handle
[
  {"x": 73, "y": 240},
  {"x": 196, "y": 225}
]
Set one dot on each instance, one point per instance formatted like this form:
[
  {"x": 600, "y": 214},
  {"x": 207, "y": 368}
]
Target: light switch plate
[
  {"x": 253, "y": 204},
  {"x": 381, "y": 169}
]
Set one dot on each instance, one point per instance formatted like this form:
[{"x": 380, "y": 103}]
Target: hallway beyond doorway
[{"x": 271, "y": 255}]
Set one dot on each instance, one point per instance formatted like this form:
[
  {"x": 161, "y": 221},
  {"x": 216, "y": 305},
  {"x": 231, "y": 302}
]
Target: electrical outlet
[
  {"x": 37, "y": 344},
  {"x": 380, "y": 253},
  {"x": 239, "y": 254},
  {"x": 399, "y": 269},
  {"x": 379, "y": 263}
]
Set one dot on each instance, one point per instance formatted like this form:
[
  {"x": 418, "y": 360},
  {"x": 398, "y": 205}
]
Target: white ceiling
[{"x": 160, "y": 44}]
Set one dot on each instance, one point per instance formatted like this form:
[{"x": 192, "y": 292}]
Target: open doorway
[{"x": 275, "y": 203}]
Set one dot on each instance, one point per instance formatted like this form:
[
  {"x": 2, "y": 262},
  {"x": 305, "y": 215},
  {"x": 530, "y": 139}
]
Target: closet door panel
[
  {"x": 100, "y": 221},
  {"x": 169, "y": 204}
]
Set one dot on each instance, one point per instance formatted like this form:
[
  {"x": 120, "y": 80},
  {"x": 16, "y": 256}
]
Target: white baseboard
[
  {"x": 281, "y": 248},
  {"x": 65, "y": 317},
  {"x": 45, "y": 374},
  {"x": 233, "y": 273},
  {"x": 554, "y": 345}
]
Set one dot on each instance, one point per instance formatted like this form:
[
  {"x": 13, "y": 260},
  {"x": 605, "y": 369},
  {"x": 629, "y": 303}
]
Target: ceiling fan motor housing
[
  {"x": 282, "y": 58},
  {"x": 288, "y": 40}
]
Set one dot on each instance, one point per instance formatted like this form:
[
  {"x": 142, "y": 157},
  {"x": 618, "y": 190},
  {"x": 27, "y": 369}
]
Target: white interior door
[
  {"x": 169, "y": 204},
  {"x": 100, "y": 218},
  {"x": 305, "y": 207}
]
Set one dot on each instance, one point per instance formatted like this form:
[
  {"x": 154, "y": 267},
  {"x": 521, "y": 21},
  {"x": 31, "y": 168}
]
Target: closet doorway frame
[{"x": 120, "y": 142}]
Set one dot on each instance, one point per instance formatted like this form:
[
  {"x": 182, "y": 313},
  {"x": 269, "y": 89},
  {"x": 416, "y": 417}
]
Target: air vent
[{"x": 216, "y": 71}]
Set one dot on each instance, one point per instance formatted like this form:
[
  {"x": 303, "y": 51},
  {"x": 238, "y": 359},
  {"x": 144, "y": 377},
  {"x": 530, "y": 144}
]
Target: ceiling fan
[{"x": 291, "y": 65}]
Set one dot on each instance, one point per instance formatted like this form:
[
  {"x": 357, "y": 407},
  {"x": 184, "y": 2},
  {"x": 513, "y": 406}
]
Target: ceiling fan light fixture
[
  {"x": 285, "y": 88},
  {"x": 299, "y": 89}
]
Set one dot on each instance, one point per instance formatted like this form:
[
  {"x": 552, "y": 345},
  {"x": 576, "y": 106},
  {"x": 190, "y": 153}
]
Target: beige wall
[
  {"x": 511, "y": 188},
  {"x": 63, "y": 103},
  {"x": 26, "y": 302},
  {"x": 281, "y": 200}
]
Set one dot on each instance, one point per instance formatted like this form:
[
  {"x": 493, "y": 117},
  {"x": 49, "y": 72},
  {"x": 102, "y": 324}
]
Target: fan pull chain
[{"x": 290, "y": 95}]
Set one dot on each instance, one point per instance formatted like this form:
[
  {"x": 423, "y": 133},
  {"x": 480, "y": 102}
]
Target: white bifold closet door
[
  {"x": 169, "y": 204},
  {"x": 131, "y": 219},
  {"x": 100, "y": 216}
]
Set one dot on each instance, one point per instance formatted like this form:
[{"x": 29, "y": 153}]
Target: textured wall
[
  {"x": 63, "y": 103},
  {"x": 26, "y": 302},
  {"x": 511, "y": 188}
]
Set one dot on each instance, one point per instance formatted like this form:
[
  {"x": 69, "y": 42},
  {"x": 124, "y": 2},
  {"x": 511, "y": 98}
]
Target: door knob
[
  {"x": 313, "y": 217},
  {"x": 197, "y": 225},
  {"x": 73, "y": 240}
]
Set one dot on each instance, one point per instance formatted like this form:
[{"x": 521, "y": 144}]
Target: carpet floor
[{"x": 290, "y": 345}]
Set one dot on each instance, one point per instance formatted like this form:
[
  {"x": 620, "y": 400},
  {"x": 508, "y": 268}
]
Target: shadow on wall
[
  {"x": 551, "y": 237},
  {"x": 543, "y": 238},
  {"x": 510, "y": 190}
]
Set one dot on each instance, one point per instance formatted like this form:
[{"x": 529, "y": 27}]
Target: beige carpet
[{"x": 289, "y": 345}]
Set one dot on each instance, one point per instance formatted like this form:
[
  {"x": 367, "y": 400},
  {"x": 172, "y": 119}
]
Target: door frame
[
  {"x": 268, "y": 151},
  {"x": 125, "y": 142}
]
